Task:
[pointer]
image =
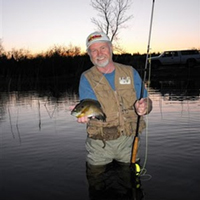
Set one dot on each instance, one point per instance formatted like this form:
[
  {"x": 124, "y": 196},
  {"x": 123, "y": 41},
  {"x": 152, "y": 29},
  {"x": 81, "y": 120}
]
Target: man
[{"x": 117, "y": 87}]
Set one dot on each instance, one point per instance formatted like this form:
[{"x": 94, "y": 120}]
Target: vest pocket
[
  {"x": 103, "y": 130},
  {"x": 130, "y": 123},
  {"x": 113, "y": 129}
]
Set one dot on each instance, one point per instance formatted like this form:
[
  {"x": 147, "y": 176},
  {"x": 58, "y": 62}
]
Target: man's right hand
[{"x": 83, "y": 120}]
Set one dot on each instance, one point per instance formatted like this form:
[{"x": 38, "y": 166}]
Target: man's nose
[{"x": 100, "y": 52}]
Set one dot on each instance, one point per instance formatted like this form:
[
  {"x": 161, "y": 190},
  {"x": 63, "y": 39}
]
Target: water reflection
[
  {"x": 43, "y": 153},
  {"x": 176, "y": 83},
  {"x": 113, "y": 181},
  {"x": 177, "y": 90}
]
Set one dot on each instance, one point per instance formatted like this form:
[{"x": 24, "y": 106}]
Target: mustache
[{"x": 100, "y": 57}]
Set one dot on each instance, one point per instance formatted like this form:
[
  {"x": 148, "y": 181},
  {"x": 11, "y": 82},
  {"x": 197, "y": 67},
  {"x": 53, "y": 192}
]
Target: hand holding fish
[
  {"x": 88, "y": 109},
  {"x": 143, "y": 106},
  {"x": 83, "y": 119}
]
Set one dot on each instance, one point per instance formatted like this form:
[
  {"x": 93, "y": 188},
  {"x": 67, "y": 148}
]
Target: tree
[
  {"x": 2, "y": 51},
  {"x": 19, "y": 54},
  {"x": 112, "y": 16},
  {"x": 64, "y": 51}
]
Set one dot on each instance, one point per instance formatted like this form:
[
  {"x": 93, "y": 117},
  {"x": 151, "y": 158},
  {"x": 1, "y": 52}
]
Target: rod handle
[{"x": 135, "y": 149}]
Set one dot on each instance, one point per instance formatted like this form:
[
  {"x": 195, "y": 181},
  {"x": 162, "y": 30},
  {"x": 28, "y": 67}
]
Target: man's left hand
[{"x": 143, "y": 106}]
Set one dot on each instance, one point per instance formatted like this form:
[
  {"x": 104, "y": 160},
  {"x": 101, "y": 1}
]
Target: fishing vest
[{"x": 118, "y": 104}]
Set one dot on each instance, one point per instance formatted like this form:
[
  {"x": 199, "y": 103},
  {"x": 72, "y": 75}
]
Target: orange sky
[{"x": 37, "y": 25}]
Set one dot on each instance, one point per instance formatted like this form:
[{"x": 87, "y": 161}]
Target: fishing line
[
  {"x": 143, "y": 171},
  {"x": 136, "y": 138}
]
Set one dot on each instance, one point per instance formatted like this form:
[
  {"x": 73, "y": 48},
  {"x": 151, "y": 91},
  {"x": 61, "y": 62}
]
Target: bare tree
[
  {"x": 112, "y": 15},
  {"x": 64, "y": 51},
  {"x": 2, "y": 51},
  {"x": 19, "y": 54}
]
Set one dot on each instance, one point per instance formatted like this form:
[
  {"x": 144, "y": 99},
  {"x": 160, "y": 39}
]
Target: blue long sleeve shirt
[{"x": 86, "y": 91}]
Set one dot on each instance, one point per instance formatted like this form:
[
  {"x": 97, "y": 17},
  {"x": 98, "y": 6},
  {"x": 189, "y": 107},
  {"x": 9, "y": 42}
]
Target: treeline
[{"x": 55, "y": 71}]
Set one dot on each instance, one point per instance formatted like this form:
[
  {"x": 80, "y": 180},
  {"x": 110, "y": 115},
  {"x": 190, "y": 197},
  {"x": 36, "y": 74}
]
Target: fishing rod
[{"x": 134, "y": 166}]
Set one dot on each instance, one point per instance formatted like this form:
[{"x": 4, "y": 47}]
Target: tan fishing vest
[{"x": 121, "y": 118}]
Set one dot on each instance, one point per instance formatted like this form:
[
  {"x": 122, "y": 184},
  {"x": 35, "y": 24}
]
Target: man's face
[{"x": 100, "y": 53}]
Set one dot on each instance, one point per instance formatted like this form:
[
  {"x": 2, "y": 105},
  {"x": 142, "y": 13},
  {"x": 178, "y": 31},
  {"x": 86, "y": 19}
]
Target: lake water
[{"x": 42, "y": 152}]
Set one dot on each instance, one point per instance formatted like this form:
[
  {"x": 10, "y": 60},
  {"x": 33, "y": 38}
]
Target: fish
[{"x": 90, "y": 108}]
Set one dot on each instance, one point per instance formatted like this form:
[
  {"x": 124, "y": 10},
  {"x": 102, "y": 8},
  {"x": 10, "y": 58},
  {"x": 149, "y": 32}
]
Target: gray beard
[{"x": 102, "y": 64}]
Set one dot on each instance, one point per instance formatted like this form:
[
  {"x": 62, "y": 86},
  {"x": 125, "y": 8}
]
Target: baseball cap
[{"x": 96, "y": 37}]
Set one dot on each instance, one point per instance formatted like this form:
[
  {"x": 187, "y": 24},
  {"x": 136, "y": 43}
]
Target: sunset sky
[{"x": 37, "y": 25}]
